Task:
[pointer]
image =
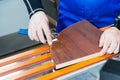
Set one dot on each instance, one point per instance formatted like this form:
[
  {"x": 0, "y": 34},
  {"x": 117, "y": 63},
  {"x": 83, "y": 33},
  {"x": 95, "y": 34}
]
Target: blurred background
[{"x": 14, "y": 15}]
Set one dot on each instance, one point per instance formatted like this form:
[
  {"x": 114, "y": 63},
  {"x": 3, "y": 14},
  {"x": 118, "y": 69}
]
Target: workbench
[
  {"x": 36, "y": 64},
  {"x": 33, "y": 64}
]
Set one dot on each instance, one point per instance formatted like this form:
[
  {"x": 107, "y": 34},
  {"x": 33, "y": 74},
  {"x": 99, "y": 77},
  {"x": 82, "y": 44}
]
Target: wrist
[
  {"x": 36, "y": 11},
  {"x": 116, "y": 22}
]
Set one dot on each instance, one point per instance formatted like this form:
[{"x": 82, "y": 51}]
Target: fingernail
[
  {"x": 31, "y": 39},
  {"x": 50, "y": 43},
  {"x": 100, "y": 54},
  {"x": 100, "y": 45},
  {"x": 43, "y": 42},
  {"x": 116, "y": 52}
]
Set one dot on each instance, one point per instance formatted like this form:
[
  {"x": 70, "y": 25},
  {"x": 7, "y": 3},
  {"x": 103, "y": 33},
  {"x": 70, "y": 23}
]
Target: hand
[
  {"x": 38, "y": 27},
  {"x": 110, "y": 41}
]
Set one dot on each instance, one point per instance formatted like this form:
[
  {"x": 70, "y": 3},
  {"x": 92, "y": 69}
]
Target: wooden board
[
  {"x": 76, "y": 43},
  {"x": 75, "y": 67},
  {"x": 24, "y": 55}
]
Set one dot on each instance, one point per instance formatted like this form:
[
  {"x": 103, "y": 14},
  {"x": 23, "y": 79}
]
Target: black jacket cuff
[{"x": 33, "y": 6}]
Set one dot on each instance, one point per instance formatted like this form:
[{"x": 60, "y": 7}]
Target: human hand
[
  {"x": 110, "y": 41},
  {"x": 38, "y": 27}
]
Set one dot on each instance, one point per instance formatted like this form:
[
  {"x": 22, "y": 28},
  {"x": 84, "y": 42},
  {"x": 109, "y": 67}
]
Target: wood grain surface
[{"x": 75, "y": 43}]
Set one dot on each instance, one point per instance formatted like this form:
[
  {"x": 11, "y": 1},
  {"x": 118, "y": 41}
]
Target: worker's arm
[{"x": 33, "y": 6}]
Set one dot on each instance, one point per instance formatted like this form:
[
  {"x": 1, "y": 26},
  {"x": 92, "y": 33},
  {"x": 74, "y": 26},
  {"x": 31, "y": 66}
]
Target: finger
[
  {"x": 47, "y": 33},
  {"x": 30, "y": 34},
  {"x": 105, "y": 47},
  {"x": 117, "y": 49},
  {"x": 112, "y": 47},
  {"x": 34, "y": 33},
  {"x": 101, "y": 41},
  {"x": 41, "y": 35},
  {"x": 30, "y": 30}
]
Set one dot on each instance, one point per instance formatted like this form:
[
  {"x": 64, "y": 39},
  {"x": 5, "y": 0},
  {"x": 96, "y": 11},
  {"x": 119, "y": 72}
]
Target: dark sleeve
[
  {"x": 33, "y": 6},
  {"x": 117, "y": 22}
]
